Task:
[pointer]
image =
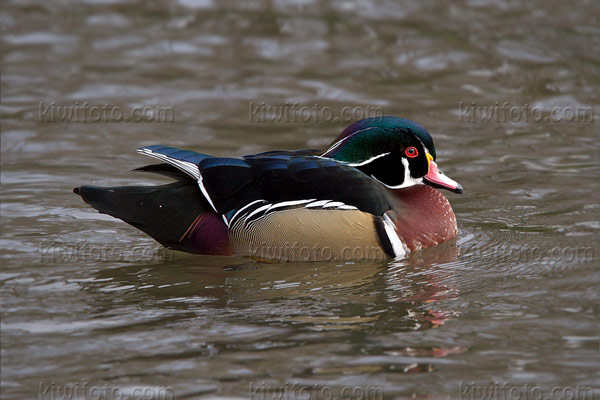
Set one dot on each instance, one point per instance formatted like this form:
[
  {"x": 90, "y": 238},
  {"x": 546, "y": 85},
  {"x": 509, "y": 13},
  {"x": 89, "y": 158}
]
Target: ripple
[
  {"x": 522, "y": 51},
  {"x": 38, "y": 38},
  {"x": 197, "y": 4},
  {"x": 116, "y": 20}
]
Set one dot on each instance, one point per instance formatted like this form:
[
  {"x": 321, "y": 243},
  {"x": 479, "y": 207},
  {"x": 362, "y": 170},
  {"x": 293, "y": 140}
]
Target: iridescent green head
[{"x": 395, "y": 151}]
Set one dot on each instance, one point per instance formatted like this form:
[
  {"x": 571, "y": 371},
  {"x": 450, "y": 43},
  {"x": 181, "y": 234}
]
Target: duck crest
[{"x": 376, "y": 129}]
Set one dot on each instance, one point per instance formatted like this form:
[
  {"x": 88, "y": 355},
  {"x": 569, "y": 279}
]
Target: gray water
[{"x": 512, "y": 303}]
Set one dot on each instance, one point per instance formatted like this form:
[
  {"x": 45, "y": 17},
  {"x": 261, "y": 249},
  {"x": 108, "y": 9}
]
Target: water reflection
[
  {"x": 224, "y": 304},
  {"x": 309, "y": 296}
]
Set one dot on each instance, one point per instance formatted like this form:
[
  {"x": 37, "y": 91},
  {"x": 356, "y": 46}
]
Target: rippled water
[{"x": 515, "y": 299}]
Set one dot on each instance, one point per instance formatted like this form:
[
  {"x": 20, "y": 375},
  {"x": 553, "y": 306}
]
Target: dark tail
[{"x": 176, "y": 215}]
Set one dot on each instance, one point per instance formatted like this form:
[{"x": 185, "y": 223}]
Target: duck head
[{"x": 395, "y": 151}]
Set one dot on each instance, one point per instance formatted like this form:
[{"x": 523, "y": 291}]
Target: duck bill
[{"x": 436, "y": 178}]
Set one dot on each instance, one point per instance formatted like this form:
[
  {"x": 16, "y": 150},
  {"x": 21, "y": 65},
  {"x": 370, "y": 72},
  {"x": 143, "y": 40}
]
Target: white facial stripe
[
  {"x": 360, "y": 164},
  {"x": 422, "y": 144},
  {"x": 408, "y": 180},
  {"x": 337, "y": 144}
]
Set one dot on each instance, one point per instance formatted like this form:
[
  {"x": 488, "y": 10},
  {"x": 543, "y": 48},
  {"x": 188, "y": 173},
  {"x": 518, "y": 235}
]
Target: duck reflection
[
  {"x": 318, "y": 295},
  {"x": 311, "y": 302}
]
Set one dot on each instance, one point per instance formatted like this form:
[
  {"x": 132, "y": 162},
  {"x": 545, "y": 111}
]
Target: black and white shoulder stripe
[{"x": 258, "y": 209}]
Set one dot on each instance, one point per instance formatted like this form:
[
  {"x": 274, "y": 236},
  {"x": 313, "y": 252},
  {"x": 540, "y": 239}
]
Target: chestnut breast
[{"x": 424, "y": 217}]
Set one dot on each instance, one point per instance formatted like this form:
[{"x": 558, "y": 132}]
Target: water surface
[{"x": 86, "y": 298}]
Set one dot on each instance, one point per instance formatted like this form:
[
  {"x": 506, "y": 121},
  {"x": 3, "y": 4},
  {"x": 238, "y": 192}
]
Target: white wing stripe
[
  {"x": 189, "y": 168},
  {"x": 186, "y": 166},
  {"x": 205, "y": 193}
]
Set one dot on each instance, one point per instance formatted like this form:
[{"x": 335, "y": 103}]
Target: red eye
[{"x": 411, "y": 152}]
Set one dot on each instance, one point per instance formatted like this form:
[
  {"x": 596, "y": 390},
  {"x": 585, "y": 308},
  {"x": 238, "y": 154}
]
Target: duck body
[{"x": 363, "y": 197}]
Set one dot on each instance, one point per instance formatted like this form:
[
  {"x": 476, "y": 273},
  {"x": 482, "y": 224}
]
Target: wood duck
[{"x": 371, "y": 194}]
